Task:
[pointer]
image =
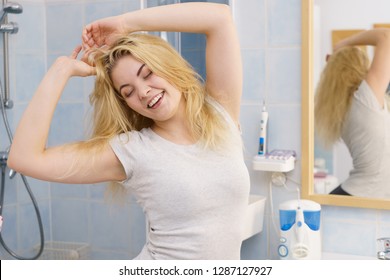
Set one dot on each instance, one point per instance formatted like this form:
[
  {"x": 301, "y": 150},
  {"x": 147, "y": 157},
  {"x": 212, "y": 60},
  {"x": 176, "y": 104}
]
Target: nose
[{"x": 144, "y": 92}]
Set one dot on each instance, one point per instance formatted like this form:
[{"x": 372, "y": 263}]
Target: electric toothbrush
[{"x": 263, "y": 132}]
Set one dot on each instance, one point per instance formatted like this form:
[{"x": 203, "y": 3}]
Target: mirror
[{"x": 308, "y": 85}]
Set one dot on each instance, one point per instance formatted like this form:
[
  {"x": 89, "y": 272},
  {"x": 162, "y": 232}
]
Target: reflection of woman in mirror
[{"x": 351, "y": 104}]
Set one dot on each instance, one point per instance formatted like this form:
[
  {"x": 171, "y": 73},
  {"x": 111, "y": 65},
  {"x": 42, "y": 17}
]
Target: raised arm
[
  {"x": 223, "y": 59},
  {"x": 29, "y": 155},
  {"x": 378, "y": 76}
]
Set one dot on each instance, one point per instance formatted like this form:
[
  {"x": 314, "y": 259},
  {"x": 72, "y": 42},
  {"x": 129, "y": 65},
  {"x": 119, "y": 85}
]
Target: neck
[
  {"x": 176, "y": 132},
  {"x": 176, "y": 129}
]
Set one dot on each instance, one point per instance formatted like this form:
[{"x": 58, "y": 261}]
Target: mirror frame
[{"x": 307, "y": 124}]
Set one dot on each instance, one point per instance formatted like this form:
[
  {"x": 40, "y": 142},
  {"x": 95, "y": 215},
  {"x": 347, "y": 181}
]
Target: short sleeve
[{"x": 120, "y": 144}]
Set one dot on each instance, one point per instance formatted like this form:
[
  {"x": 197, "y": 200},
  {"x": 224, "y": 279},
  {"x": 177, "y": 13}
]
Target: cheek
[
  {"x": 134, "y": 109},
  {"x": 133, "y": 104}
]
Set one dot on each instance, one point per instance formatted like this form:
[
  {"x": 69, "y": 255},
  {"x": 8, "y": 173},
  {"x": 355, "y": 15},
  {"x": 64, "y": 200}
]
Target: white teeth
[{"x": 155, "y": 100}]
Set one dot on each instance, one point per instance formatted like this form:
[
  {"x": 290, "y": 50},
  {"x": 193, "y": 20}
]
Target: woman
[
  {"x": 351, "y": 104},
  {"x": 171, "y": 140}
]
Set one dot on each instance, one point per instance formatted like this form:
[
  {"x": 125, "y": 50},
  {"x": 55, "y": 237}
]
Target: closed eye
[
  {"x": 128, "y": 93},
  {"x": 148, "y": 75}
]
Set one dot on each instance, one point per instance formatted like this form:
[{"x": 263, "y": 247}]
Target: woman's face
[{"x": 145, "y": 92}]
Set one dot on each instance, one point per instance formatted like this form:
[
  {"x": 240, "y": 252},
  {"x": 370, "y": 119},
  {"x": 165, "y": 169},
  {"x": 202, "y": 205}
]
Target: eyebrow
[
  {"x": 140, "y": 69},
  {"x": 138, "y": 73}
]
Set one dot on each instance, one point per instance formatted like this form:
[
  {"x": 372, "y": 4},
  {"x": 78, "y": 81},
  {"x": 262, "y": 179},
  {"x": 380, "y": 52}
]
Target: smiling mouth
[{"x": 155, "y": 100}]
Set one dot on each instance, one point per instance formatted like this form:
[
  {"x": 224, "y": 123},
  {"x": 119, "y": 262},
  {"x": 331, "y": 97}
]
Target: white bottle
[{"x": 263, "y": 132}]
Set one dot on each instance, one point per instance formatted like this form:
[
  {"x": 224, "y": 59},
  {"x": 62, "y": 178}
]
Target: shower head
[{"x": 11, "y": 8}]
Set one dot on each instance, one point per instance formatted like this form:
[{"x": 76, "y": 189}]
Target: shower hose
[{"x": 28, "y": 189}]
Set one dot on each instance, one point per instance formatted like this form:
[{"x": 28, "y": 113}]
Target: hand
[
  {"x": 340, "y": 44},
  {"x": 82, "y": 67},
  {"x": 102, "y": 32}
]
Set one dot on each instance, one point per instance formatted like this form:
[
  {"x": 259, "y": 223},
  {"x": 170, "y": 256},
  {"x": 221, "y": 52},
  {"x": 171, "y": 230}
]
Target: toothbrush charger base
[{"x": 263, "y": 163}]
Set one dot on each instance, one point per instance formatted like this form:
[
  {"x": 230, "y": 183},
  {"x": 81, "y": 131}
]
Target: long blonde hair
[
  {"x": 112, "y": 116},
  {"x": 341, "y": 77}
]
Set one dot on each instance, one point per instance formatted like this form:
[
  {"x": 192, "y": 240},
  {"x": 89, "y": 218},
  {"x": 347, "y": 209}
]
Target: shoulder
[
  {"x": 131, "y": 138},
  {"x": 365, "y": 95}
]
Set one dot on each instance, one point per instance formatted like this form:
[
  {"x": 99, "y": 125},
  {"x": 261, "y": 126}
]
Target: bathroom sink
[{"x": 255, "y": 216}]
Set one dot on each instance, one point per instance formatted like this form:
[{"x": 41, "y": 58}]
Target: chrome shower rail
[{"x": 7, "y": 28}]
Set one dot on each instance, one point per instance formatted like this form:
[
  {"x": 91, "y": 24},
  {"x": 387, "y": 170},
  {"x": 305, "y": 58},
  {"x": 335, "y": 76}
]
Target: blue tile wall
[
  {"x": 10, "y": 230},
  {"x": 98, "y": 9},
  {"x": 284, "y": 22},
  {"x": 70, "y": 219},
  {"x": 63, "y": 37},
  {"x": 111, "y": 229},
  {"x": 270, "y": 36},
  {"x": 254, "y": 75}
]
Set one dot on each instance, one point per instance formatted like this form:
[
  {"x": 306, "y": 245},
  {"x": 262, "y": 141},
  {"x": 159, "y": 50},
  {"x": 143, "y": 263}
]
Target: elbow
[
  {"x": 15, "y": 161},
  {"x": 385, "y": 35},
  {"x": 12, "y": 162},
  {"x": 224, "y": 8},
  {"x": 225, "y": 13},
  {"x": 222, "y": 18}
]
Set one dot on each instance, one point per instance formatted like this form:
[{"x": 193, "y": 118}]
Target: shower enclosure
[
  {"x": 7, "y": 28},
  {"x": 69, "y": 213}
]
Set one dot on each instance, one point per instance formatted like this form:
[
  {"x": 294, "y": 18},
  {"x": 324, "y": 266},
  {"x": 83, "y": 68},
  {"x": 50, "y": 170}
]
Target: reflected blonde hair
[
  {"x": 341, "y": 77},
  {"x": 112, "y": 116}
]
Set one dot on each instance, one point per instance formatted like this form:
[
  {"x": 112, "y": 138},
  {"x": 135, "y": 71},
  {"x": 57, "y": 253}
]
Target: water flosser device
[
  {"x": 263, "y": 132},
  {"x": 300, "y": 249},
  {"x": 300, "y": 233}
]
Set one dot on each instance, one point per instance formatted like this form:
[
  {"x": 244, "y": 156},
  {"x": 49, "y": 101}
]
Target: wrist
[{"x": 62, "y": 66}]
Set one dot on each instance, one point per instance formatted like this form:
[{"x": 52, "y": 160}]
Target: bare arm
[
  {"x": 223, "y": 58},
  {"x": 29, "y": 155},
  {"x": 378, "y": 76}
]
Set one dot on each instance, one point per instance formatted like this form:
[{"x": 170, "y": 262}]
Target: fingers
[
  {"x": 87, "y": 37},
  {"x": 76, "y": 52},
  {"x": 85, "y": 34},
  {"x": 91, "y": 36}
]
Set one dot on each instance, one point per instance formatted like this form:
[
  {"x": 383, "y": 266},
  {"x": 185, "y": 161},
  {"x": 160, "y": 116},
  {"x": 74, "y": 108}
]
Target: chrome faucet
[{"x": 383, "y": 245}]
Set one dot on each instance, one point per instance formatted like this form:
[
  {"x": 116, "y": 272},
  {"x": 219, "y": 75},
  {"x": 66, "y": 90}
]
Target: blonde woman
[
  {"x": 351, "y": 104},
  {"x": 171, "y": 140}
]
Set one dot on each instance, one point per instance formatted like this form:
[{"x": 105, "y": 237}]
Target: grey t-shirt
[
  {"x": 194, "y": 199},
  {"x": 366, "y": 132}
]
